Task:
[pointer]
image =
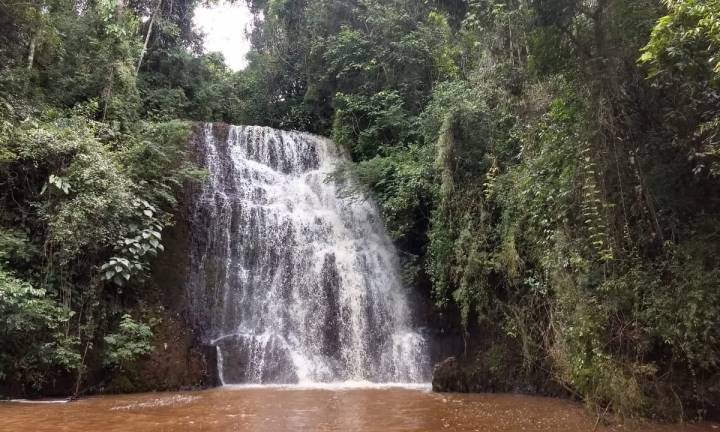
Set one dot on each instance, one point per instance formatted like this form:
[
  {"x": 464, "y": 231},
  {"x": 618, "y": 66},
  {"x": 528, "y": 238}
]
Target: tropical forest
[{"x": 397, "y": 215}]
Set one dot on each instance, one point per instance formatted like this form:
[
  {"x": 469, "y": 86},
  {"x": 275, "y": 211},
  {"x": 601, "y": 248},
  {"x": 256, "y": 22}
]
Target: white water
[
  {"x": 335, "y": 386},
  {"x": 293, "y": 282}
]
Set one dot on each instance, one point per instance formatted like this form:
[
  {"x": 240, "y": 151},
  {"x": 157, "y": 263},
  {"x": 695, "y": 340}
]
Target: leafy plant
[
  {"x": 61, "y": 183},
  {"x": 32, "y": 334},
  {"x": 131, "y": 341},
  {"x": 133, "y": 251}
]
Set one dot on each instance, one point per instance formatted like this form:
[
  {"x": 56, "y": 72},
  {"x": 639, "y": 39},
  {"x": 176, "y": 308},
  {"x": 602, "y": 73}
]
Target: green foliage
[
  {"x": 364, "y": 124},
  {"x": 32, "y": 333},
  {"x": 61, "y": 183},
  {"x": 403, "y": 186},
  {"x": 686, "y": 42},
  {"x": 85, "y": 189},
  {"x": 178, "y": 84},
  {"x": 312, "y": 59},
  {"x": 86, "y": 186},
  {"x": 682, "y": 303},
  {"x": 131, "y": 341},
  {"x": 142, "y": 241},
  {"x": 156, "y": 158},
  {"x": 16, "y": 249},
  {"x": 95, "y": 213},
  {"x": 683, "y": 57}
]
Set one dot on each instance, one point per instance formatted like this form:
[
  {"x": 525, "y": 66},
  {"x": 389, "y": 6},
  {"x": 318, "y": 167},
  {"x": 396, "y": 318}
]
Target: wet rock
[
  {"x": 330, "y": 285},
  {"x": 448, "y": 376},
  {"x": 256, "y": 359},
  {"x": 210, "y": 375},
  {"x": 176, "y": 362},
  {"x": 494, "y": 369}
]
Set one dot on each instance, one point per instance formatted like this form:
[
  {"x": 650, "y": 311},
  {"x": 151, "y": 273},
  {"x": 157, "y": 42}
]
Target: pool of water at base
[{"x": 322, "y": 409}]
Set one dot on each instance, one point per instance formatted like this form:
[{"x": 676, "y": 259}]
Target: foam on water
[
  {"x": 335, "y": 386},
  {"x": 36, "y": 402}
]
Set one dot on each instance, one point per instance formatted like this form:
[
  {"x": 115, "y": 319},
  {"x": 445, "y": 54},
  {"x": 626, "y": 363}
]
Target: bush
[
  {"x": 33, "y": 334},
  {"x": 131, "y": 341}
]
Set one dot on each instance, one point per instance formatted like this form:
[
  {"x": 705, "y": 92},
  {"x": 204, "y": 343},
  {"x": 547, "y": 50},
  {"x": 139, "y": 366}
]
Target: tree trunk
[
  {"x": 31, "y": 52},
  {"x": 147, "y": 37}
]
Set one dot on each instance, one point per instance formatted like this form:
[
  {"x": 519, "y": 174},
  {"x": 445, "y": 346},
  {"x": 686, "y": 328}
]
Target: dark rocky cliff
[{"x": 179, "y": 359}]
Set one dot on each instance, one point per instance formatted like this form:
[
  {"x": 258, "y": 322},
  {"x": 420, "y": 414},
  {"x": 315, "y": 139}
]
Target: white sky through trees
[{"x": 224, "y": 25}]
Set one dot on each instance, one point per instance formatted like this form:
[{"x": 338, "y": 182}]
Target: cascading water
[{"x": 291, "y": 280}]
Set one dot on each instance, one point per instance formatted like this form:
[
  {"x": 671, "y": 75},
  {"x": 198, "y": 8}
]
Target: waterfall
[{"x": 292, "y": 280}]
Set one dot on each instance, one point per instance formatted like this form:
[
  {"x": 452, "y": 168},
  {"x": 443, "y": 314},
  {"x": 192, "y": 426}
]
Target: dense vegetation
[
  {"x": 548, "y": 169},
  {"x": 91, "y": 164}
]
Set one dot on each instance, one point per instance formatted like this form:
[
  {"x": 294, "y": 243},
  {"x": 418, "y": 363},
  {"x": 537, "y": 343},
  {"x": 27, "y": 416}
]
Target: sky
[{"x": 224, "y": 27}]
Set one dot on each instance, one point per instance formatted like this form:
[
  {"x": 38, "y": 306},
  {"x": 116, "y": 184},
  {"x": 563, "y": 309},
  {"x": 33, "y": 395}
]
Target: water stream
[
  {"x": 277, "y": 409},
  {"x": 292, "y": 280}
]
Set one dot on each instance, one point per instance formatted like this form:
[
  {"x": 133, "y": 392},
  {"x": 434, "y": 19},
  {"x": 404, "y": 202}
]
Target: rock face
[
  {"x": 211, "y": 374},
  {"x": 492, "y": 366},
  {"x": 448, "y": 376},
  {"x": 177, "y": 362}
]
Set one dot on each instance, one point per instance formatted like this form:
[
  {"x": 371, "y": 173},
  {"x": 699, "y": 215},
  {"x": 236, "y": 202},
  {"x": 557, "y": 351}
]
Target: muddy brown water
[{"x": 287, "y": 409}]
